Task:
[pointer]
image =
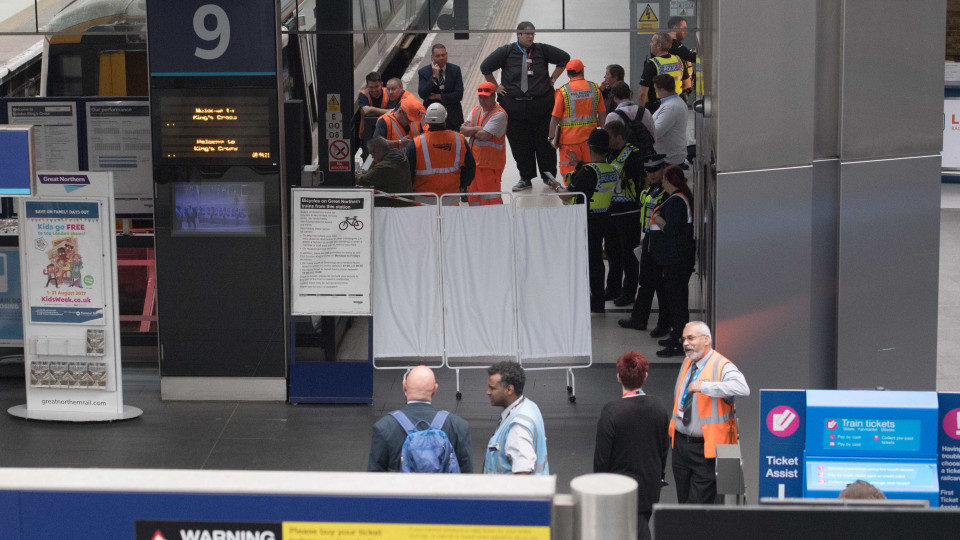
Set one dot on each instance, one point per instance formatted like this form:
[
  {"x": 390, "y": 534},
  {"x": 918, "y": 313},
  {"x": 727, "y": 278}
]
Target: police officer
[
  {"x": 597, "y": 179},
  {"x": 526, "y": 93},
  {"x": 623, "y": 235},
  {"x": 649, "y": 278},
  {"x": 660, "y": 62}
]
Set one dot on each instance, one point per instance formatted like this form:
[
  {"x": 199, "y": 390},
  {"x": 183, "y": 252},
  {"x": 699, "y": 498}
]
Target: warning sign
[
  {"x": 683, "y": 8},
  {"x": 333, "y": 102},
  {"x": 649, "y": 20},
  {"x": 339, "y": 159}
]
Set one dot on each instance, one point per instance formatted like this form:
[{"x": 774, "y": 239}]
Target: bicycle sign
[{"x": 348, "y": 221}]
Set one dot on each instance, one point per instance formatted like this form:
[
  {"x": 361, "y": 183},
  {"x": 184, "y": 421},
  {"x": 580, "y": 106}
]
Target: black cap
[{"x": 599, "y": 140}]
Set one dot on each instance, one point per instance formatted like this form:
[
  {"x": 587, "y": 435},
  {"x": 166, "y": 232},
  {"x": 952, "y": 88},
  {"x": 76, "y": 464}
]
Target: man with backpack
[
  {"x": 641, "y": 132},
  {"x": 418, "y": 438}
]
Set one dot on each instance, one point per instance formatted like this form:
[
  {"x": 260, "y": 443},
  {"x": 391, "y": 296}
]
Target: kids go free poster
[{"x": 64, "y": 265}]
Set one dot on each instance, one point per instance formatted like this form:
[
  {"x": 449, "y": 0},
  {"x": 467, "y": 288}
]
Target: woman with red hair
[{"x": 632, "y": 437}]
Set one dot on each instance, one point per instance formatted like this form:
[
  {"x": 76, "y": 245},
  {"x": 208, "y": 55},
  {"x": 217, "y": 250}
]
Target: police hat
[
  {"x": 654, "y": 162},
  {"x": 599, "y": 140}
]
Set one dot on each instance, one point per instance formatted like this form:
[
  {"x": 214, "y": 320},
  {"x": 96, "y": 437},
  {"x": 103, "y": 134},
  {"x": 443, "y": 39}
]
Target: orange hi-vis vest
[
  {"x": 370, "y": 100},
  {"x": 440, "y": 154},
  {"x": 395, "y": 131},
  {"x": 580, "y": 101},
  {"x": 716, "y": 414},
  {"x": 491, "y": 153}
]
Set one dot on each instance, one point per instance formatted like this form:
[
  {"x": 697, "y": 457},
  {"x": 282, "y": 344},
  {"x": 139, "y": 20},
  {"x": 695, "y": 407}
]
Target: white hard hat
[{"x": 436, "y": 114}]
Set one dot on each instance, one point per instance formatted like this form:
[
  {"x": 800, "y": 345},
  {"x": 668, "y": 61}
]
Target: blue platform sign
[
  {"x": 948, "y": 446},
  {"x": 212, "y": 38},
  {"x": 782, "y": 414}
]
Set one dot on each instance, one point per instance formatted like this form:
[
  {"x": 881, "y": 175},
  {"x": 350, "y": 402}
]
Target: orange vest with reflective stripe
[
  {"x": 716, "y": 415},
  {"x": 440, "y": 154},
  {"x": 491, "y": 153},
  {"x": 395, "y": 131},
  {"x": 383, "y": 99},
  {"x": 580, "y": 101}
]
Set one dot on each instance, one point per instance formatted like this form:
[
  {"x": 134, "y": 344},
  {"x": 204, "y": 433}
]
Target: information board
[
  {"x": 782, "y": 425},
  {"x": 118, "y": 140},
  {"x": 332, "y": 251},
  {"x": 227, "y": 128},
  {"x": 17, "y": 168},
  {"x": 55, "y": 135},
  {"x": 951, "y": 133},
  {"x": 11, "y": 303}
]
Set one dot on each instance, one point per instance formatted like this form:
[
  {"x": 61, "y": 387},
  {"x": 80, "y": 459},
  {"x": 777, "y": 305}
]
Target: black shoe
[
  {"x": 669, "y": 342},
  {"x": 659, "y": 332},
  {"x": 631, "y": 323},
  {"x": 610, "y": 295},
  {"x": 670, "y": 351},
  {"x": 597, "y": 309},
  {"x": 623, "y": 301}
]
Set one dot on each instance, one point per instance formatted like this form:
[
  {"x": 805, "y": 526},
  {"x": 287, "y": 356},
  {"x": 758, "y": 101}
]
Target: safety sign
[
  {"x": 333, "y": 102},
  {"x": 683, "y": 8},
  {"x": 339, "y": 155},
  {"x": 649, "y": 20}
]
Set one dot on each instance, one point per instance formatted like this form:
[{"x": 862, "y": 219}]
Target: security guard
[
  {"x": 487, "y": 128},
  {"x": 649, "y": 278},
  {"x": 578, "y": 109},
  {"x": 661, "y": 62},
  {"x": 623, "y": 235},
  {"x": 440, "y": 159},
  {"x": 596, "y": 179}
]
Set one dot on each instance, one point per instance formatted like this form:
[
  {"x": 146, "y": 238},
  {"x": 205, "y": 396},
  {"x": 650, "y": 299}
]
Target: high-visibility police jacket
[
  {"x": 624, "y": 192},
  {"x": 395, "y": 131},
  {"x": 527, "y": 415},
  {"x": 440, "y": 154},
  {"x": 581, "y": 101},
  {"x": 716, "y": 414},
  {"x": 491, "y": 153},
  {"x": 607, "y": 179},
  {"x": 650, "y": 198},
  {"x": 670, "y": 65}
]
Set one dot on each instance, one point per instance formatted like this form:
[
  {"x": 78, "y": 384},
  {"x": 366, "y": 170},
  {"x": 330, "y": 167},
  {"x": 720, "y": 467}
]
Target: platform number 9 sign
[{"x": 220, "y": 33}]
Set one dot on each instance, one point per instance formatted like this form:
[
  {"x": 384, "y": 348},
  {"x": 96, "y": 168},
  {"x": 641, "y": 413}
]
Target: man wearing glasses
[
  {"x": 526, "y": 93},
  {"x": 703, "y": 414}
]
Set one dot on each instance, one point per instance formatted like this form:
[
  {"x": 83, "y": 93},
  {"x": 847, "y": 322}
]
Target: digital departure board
[{"x": 226, "y": 127}]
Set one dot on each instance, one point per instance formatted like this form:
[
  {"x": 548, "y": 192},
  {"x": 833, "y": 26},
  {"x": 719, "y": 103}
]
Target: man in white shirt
[
  {"x": 519, "y": 445},
  {"x": 670, "y": 121}
]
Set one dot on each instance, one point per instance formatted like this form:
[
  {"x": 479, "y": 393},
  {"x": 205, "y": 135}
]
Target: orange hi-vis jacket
[
  {"x": 491, "y": 153},
  {"x": 716, "y": 414},
  {"x": 579, "y": 101},
  {"x": 440, "y": 154},
  {"x": 383, "y": 99},
  {"x": 395, "y": 131}
]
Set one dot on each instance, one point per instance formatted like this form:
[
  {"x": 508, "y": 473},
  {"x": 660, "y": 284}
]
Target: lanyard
[{"x": 633, "y": 393}]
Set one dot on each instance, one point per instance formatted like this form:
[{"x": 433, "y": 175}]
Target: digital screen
[
  {"x": 218, "y": 208},
  {"x": 216, "y": 127},
  {"x": 833, "y": 476},
  {"x": 878, "y": 434},
  {"x": 16, "y": 175}
]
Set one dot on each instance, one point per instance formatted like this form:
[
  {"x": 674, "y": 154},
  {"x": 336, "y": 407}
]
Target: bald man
[{"x": 420, "y": 386}]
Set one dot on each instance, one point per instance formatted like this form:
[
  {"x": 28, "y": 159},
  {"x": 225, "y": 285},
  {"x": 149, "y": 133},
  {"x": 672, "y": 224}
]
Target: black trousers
[
  {"x": 676, "y": 296},
  {"x": 528, "y": 126},
  {"x": 597, "y": 225},
  {"x": 643, "y": 526},
  {"x": 622, "y": 237},
  {"x": 693, "y": 473},
  {"x": 650, "y": 281}
]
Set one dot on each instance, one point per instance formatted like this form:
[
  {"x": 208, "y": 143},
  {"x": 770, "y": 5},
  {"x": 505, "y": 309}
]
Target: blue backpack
[{"x": 428, "y": 450}]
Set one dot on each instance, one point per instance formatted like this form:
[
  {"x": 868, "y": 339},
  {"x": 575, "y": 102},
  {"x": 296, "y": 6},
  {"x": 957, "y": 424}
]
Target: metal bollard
[{"x": 605, "y": 507}]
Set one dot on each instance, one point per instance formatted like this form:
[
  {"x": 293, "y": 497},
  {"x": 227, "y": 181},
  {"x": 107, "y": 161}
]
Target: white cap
[{"x": 436, "y": 114}]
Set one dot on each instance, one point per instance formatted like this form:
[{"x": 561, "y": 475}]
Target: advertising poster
[
  {"x": 951, "y": 134},
  {"x": 118, "y": 140},
  {"x": 11, "y": 303},
  {"x": 332, "y": 252},
  {"x": 55, "y": 137},
  {"x": 64, "y": 259}
]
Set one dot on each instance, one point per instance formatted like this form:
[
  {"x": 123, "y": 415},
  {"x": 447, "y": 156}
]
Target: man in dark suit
[
  {"x": 420, "y": 386},
  {"x": 441, "y": 82}
]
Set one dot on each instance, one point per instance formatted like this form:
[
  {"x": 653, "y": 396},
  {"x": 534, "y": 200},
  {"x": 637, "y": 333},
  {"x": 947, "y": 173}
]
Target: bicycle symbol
[{"x": 347, "y": 221}]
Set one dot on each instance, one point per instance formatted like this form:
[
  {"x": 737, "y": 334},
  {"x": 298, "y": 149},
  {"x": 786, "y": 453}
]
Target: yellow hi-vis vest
[
  {"x": 607, "y": 178},
  {"x": 670, "y": 65}
]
